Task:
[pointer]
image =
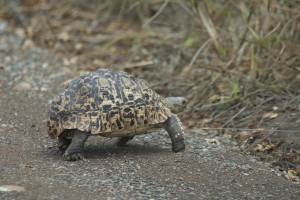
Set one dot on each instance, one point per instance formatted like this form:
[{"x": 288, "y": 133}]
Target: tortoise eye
[{"x": 184, "y": 101}]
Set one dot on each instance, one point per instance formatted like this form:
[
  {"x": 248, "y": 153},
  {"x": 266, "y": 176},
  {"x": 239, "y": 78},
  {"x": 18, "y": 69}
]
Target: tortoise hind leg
[
  {"x": 123, "y": 140},
  {"x": 174, "y": 127},
  {"x": 75, "y": 149}
]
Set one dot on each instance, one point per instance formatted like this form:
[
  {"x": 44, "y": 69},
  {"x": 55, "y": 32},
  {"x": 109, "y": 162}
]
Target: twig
[
  {"x": 247, "y": 23},
  {"x": 210, "y": 27},
  {"x": 273, "y": 30},
  {"x": 197, "y": 54},
  {"x": 234, "y": 116},
  {"x": 156, "y": 14},
  {"x": 251, "y": 129},
  {"x": 46, "y": 6},
  {"x": 15, "y": 7},
  {"x": 221, "y": 113},
  {"x": 139, "y": 64}
]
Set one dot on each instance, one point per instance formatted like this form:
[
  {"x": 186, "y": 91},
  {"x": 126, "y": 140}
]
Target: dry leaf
[
  {"x": 203, "y": 121},
  {"x": 78, "y": 46},
  {"x": 245, "y": 134},
  {"x": 270, "y": 115},
  {"x": 298, "y": 170},
  {"x": 263, "y": 147},
  {"x": 290, "y": 174},
  {"x": 213, "y": 141},
  {"x": 204, "y": 133},
  {"x": 275, "y": 108},
  {"x": 258, "y": 147},
  {"x": 214, "y": 98},
  {"x": 55, "y": 23},
  {"x": 64, "y": 36},
  {"x": 26, "y": 166}
]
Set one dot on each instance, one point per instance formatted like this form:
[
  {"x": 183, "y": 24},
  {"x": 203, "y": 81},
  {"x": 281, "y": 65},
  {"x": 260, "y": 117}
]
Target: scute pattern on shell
[{"x": 107, "y": 103}]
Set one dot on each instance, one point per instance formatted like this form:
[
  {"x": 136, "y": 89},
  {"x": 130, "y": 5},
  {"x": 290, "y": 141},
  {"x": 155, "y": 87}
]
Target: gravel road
[{"x": 145, "y": 169}]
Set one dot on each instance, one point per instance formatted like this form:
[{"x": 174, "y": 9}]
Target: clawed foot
[
  {"x": 178, "y": 146},
  {"x": 73, "y": 156}
]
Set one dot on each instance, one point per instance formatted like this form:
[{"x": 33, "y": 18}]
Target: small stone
[
  {"x": 6, "y": 169},
  {"x": 20, "y": 32},
  {"x": 28, "y": 44},
  {"x": 204, "y": 133},
  {"x": 49, "y": 146},
  {"x": 64, "y": 36},
  {"x": 3, "y": 125},
  {"x": 3, "y": 25},
  {"x": 11, "y": 188},
  {"x": 43, "y": 89},
  {"x": 235, "y": 148},
  {"x": 22, "y": 86},
  {"x": 78, "y": 47},
  {"x": 245, "y": 133}
]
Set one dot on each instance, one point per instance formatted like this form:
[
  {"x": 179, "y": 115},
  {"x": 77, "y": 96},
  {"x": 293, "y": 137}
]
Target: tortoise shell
[{"x": 107, "y": 103}]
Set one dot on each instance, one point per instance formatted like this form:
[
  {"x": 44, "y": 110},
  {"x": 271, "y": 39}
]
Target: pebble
[
  {"x": 22, "y": 86},
  {"x": 11, "y": 188},
  {"x": 3, "y": 125},
  {"x": 27, "y": 44},
  {"x": 49, "y": 146},
  {"x": 3, "y": 25},
  {"x": 6, "y": 169}
]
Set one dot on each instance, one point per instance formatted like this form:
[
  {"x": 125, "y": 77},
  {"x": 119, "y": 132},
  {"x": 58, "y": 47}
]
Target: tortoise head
[{"x": 177, "y": 104}]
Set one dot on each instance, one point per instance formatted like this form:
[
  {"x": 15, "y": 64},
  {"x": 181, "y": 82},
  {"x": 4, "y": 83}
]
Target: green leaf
[
  {"x": 188, "y": 42},
  {"x": 194, "y": 2},
  {"x": 235, "y": 89},
  {"x": 223, "y": 53}
]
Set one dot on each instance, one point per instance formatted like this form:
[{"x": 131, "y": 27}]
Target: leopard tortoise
[{"x": 111, "y": 104}]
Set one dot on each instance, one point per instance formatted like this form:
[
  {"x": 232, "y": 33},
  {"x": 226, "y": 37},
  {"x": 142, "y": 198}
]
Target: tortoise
[{"x": 111, "y": 104}]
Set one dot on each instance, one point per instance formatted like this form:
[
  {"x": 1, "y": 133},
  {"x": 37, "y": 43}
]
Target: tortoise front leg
[
  {"x": 75, "y": 149},
  {"x": 174, "y": 127},
  {"x": 63, "y": 140}
]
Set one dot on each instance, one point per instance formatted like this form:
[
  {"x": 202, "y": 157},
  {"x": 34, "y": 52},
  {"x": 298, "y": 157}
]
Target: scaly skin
[
  {"x": 75, "y": 149},
  {"x": 174, "y": 127}
]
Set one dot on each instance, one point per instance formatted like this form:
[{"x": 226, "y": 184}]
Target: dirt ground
[
  {"x": 242, "y": 123},
  {"x": 146, "y": 169}
]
